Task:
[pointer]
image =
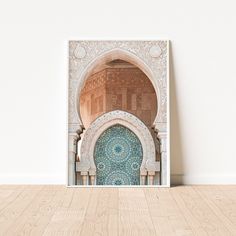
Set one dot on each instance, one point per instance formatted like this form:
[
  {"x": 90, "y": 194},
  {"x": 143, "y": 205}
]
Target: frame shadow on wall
[{"x": 176, "y": 151}]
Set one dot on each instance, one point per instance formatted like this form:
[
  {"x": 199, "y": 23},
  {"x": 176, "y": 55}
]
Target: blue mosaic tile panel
[{"x": 118, "y": 157}]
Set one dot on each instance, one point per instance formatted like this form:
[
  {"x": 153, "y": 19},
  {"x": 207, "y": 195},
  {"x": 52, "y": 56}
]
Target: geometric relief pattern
[{"x": 118, "y": 157}]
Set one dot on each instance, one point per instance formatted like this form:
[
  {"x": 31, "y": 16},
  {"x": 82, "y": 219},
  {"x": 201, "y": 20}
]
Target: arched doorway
[
  {"x": 86, "y": 167},
  {"x": 118, "y": 156}
]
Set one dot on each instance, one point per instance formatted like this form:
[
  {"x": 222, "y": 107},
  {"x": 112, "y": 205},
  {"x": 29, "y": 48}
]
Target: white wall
[{"x": 33, "y": 74}]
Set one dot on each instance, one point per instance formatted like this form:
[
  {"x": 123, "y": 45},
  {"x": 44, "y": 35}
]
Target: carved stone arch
[
  {"x": 104, "y": 122},
  {"x": 107, "y": 56}
]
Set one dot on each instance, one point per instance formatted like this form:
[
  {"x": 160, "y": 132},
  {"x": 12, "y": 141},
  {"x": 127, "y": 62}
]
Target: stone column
[
  {"x": 72, "y": 146},
  {"x": 162, "y": 136},
  {"x": 151, "y": 175},
  {"x": 84, "y": 175},
  {"x": 92, "y": 179},
  {"x": 143, "y": 177},
  {"x": 92, "y": 175}
]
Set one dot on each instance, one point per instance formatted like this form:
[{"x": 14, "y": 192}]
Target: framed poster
[{"x": 118, "y": 124}]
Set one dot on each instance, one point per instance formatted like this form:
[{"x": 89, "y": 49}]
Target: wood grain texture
[{"x": 57, "y": 210}]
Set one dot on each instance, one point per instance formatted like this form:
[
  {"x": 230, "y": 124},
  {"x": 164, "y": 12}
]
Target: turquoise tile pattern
[{"x": 118, "y": 157}]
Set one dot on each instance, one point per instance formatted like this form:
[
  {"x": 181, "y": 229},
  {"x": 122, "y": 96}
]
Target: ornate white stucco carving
[
  {"x": 150, "y": 56},
  {"x": 104, "y": 122},
  {"x": 155, "y": 51},
  {"x": 79, "y": 52}
]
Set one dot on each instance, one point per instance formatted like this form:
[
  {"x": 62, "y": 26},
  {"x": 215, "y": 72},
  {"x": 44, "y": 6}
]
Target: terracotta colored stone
[{"x": 127, "y": 89}]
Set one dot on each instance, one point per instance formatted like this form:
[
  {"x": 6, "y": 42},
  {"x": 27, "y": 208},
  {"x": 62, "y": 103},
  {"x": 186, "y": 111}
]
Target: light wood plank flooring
[{"x": 57, "y": 210}]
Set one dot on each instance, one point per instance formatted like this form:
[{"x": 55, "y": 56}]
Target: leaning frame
[{"x": 152, "y": 57}]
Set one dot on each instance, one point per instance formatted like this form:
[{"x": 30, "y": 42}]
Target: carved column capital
[
  {"x": 92, "y": 172},
  {"x": 80, "y": 129},
  {"x": 153, "y": 166},
  {"x": 143, "y": 172},
  {"x": 73, "y": 139},
  {"x": 76, "y": 129}
]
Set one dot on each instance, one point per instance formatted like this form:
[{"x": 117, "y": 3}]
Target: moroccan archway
[
  {"x": 152, "y": 57},
  {"x": 107, "y": 56},
  {"x": 107, "y": 120}
]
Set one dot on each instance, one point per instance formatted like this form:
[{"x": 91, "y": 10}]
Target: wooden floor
[{"x": 57, "y": 210}]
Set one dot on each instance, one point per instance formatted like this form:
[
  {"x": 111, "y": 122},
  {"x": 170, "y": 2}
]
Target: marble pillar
[
  {"x": 92, "y": 176},
  {"x": 162, "y": 136},
  {"x": 143, "y": 177},
  {"x": 73, "y": 139},
  {"x": 151, "y": 175},
  {"x": 84, "y": 175}
]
